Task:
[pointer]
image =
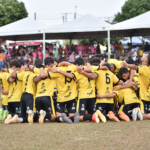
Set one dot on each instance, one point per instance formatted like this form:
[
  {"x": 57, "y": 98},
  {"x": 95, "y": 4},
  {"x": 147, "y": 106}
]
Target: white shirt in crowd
[{"x": 134, "y": 55}]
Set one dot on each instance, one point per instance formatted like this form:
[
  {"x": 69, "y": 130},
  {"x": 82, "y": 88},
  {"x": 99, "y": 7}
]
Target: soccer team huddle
[{"x": 96, "y": 91}]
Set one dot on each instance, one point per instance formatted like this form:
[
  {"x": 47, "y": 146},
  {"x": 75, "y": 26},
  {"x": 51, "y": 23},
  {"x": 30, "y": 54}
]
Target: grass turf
[{"x": 87, "y": 135}]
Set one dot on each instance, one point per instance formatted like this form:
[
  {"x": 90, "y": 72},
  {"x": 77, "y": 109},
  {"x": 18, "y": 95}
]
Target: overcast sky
[{"x": 50, "y": 11}]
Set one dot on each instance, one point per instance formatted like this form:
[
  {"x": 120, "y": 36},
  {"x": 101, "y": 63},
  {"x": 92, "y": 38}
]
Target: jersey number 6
[{"x": 107, "y": 78}]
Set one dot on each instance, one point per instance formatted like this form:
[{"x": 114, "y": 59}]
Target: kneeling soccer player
[
  {"x": 129, "y": 102},
  {"x": 45, "y": 90},
  {"x": 104, "y": 84}
]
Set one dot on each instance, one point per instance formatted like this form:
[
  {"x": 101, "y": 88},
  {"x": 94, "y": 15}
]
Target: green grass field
[{"x": 87, "y": 135}]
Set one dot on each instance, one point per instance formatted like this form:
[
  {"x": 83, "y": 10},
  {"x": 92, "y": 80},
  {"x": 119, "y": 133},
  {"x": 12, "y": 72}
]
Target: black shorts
[
  {"x": 127, "y": 109},
  {"x": 26, "y": 104},
  {"x": 145, "y": 107},
  {"x": 86, "y": 104},
  {"x": 70, "y": 105},
  {"x": 45, "y": 103},
  {"x": 105, "y": 106},
  {"x": 14, "y": 108}
]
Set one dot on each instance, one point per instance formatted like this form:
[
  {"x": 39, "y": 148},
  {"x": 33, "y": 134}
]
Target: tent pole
[
  {"x": 108, "y": 38},
  {"x": 131, "y": 40},
  {"x": 70, "y": 43},
  {"x": 43, "y": 46}
]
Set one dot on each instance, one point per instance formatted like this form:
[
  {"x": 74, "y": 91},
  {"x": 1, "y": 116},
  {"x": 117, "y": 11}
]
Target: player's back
[
  {"x": 104, "y": 84},
  {"x": 126, "y": 96}
]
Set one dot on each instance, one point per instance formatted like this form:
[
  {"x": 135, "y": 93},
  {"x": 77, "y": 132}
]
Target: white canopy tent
[
  {"x": 137, "y": 26},
  {"x": 29, "y": 29},
  {"x": 24, "y": 29},
  {"x": 86, "y": 27}
]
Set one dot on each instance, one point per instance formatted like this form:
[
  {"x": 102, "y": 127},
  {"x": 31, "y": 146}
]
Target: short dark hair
[
  {"x": 79, "y": 61},
  {"x": 107, "y": 65},
  {"x": 15, "y": 63},
  {"x": 123, "y": 70},
  {"x": 38, "y": 62},
  {"x": 48, "y": 61},
  {"x": 95, "y": 60},
  {"x": 56, "y": 60},
  {"x": 21, "y": 62}
]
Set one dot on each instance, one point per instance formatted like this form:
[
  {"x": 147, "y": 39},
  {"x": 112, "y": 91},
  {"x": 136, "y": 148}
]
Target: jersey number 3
[{"x": 107, "y": 78}]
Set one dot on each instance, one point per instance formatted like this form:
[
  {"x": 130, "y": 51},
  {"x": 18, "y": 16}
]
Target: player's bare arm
[
  {"x": 64, "y": 63},
  {"x": 88, "y": 75},
  {"x": 131, "y": 66},
  {"x": 37, "y": 79},
  {"x": 11, "y": 80},
  {"x": 56, "y": 70},
  {"x": 14, "y": 74},
  {"x": 110, "y": 95},
  {"x": 4, "y": 92}
]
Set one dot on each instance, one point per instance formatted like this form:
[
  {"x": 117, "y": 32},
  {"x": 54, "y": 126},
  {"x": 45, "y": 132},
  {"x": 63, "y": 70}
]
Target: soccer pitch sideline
[{"x": 89, "y": 136}]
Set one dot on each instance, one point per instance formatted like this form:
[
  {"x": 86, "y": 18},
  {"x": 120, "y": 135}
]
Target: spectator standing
[
  {"x": 2, "y": 58},
  {"x": 92, "y": 49},
  {"x": 55, "y": 53},
  {"x": 147, "y": 47},
  {"x": 72, "y": 57},
  {"x": 121, "y": 48},
  {"x": 34, "y": 56},
  {"x": 116, "y": 47},
  {"x": 7, "y": 51},
  {"x": 39, "y": 53},
  {"x": 46, "y": 53},
  {"x": 73, "y": 48},
  {"x": 98, "y": 48},
  {"x": 14, "y": 53}
]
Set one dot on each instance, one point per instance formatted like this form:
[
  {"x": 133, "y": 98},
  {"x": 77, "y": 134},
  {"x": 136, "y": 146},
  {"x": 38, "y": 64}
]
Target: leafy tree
[
  {"x": 132, "y": 8},
  {"x": 11, "y": 11}
]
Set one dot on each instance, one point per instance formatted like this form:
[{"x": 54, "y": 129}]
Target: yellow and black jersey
[
  {"x": 70, "y": 83},
  {"x": 126, "y": 96},
  {"x": 144, "y": 82},
  {"x": 5, "y": 85},
  {"x": 45, "y": 87},
  {"x": 86, "y": 86},
  {"x": 28, "y": 85},
  {"x": 15, "y": 89},
  {"x": 135, "y": 78},
  {"x": 104, "y": 85},
  {"x": 66, "y": 86}
]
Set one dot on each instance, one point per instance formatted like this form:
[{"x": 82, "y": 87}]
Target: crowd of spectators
[{"x": 129, "y": 53}]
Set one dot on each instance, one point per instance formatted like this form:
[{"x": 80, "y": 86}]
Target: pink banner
[{"x": 25, "y": 43}]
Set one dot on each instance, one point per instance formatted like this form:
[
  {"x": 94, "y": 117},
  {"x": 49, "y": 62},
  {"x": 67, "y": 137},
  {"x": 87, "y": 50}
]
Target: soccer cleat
[
  {"x": 13, "y": 120},
  {"x": 8, "y": 118},
  {"x": 139, "y": 115},
  {"x": 42, "y": 116},
  {"x": 1, "y": 114},
  {"x": 65, "y": 118},
  {"x": 5, "y": 114},
  {"x": 124, "y": 117},
  {"x": 134, "y": 114},
  {"x": 76, "y": 118},
  {"x": 101, "y": 116},
  {"x": 112, "y": 116},
  {"x": 30, "y": 116},
  {"x": 95, "y": 118}
]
